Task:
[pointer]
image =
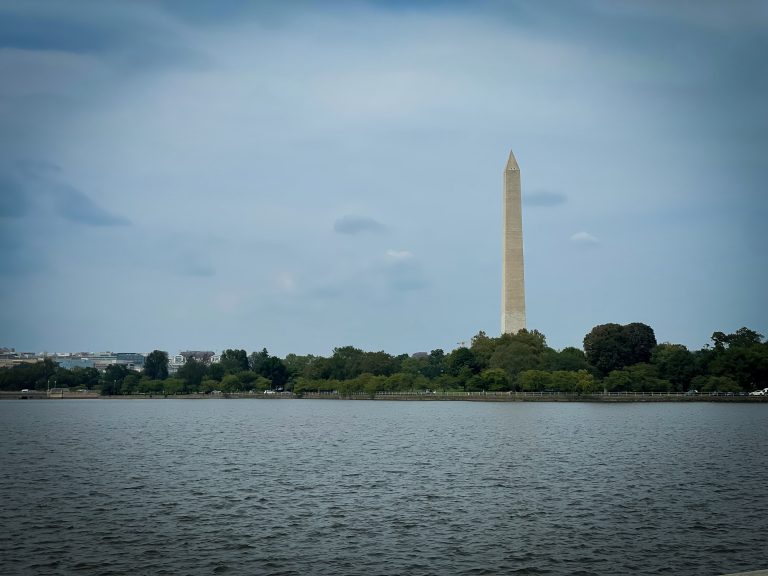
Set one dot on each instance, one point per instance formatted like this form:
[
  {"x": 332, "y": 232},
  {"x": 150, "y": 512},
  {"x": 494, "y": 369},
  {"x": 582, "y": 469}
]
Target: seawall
[{"x": 407, "y": 396}]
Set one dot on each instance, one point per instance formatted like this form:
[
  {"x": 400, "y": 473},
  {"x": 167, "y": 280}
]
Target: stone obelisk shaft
[{"x": 513, "y": 280}]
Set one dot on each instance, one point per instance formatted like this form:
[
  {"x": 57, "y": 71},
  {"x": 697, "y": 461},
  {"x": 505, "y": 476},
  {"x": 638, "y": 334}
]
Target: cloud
[
  {"x": 186, "y": 117},
  {"x": 375, "y": 279},
  {"x": 78, "y": 207},
  {"x": 357, "y": 225},
  {"x": 544, "y": 198},
  {"x": 39, "y": 183},
  {"x": 399, "y": 255},
  {"x": 30, "y": 31},
  {"x": 13, "y": 202},
  {"x": 584, "y": 238},
  {"x": 32, "y": 168},
  {"x": 403, "y": 271},
  {"x": 107, "y": 31}
]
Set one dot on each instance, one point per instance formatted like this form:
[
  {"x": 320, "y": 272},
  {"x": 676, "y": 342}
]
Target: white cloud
[
  {"x": 399, "y": 255},
  {"x": 584, "y": 238}
]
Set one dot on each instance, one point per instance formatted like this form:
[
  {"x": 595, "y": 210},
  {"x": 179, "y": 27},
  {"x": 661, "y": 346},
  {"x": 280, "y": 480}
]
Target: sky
[{"x": 305, "y": 175}]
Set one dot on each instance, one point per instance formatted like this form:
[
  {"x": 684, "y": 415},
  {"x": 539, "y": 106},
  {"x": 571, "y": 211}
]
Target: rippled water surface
[{"x": 363, "y": 487}]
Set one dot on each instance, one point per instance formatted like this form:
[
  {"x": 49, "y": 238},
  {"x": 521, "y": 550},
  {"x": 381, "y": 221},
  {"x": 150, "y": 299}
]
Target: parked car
[{"x": 763, "y": 392}]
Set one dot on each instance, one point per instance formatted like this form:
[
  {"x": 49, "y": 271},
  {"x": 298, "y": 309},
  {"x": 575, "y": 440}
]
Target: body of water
[{"x": 360, "y": 487}]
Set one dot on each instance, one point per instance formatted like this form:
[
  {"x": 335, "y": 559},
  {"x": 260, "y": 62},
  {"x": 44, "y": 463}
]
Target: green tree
[
  {"x": 33, "y": 375},
  {"x": 234, "y": 361},
  {"x": 483, "y": 347},
  {"x": 130, "y": 384},
  {"x": 494, "y": 379},
  {"x": 618, "y": 381},
  {"x": 586, "y": 383},
  {"x": 462, "y": 361},
  {"x": 116, "y": 371},
  {"x": 275, "y": 371},
  {"x": 214, "y": 371},
  {"x": 369, "y": 383},
  {"x": 207, "y": 386},
  {"x": 610, "y": 347},
  {"x": 149, "y": 386},
  {"x": 345, "y": 363},
  {"x": 639, "y": 377},
  {"x": 675, "y": 363},
  {"x": 65, "y": 378},
  {"x": 262, "y": 383},
  {"x": 399, "y": 382},
  {"x": 88, "y": 378},
  {"x": 156, "y": 365},
  {"x": 110, "y": 387},
  {"x": 415, "y": 364},
  {"x": 747, "y": 365},
  {"x": 565, "y": 381},
  {"x": 192, "y": 372},
  {"x": 515, "y": 357},
  {"x": 437, "y": 364},
  {"x": 715, "y": 384},
  {"x": 741, "y": 356},
  {"x": 298, "y": 365},
  {"x": 172, "y": 386},
  {"x": 570, "y": 359},
  {"x": 535, "y": 380},
  {"x": 256, "y": 359},
  {"x": 78, "y": 377},
  {"x": 533, "y": 339},
  {"x": 247, "y": 379},
  {"x": 605, "y": 348},
  {"x": 446, "y": 382},
  {"x": 742, "y": 338},
  {"x": 379, "y": 363},
  {"x": 231, "y": 383},
  {"x": 112, "y": 379},
  {"x": 640, "y": 340},
  {"x": 516, "y": 353}
]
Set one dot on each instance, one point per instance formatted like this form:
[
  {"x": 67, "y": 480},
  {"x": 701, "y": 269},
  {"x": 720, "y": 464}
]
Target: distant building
[
  {"x": 9, "y": 358},
  {"x": 100, "y": 361},
  {"x": 175, "y": 362},
  {"x": 134, "y": 360},
  {"x": 69, "y": 360},
  {"x": 204, "y": 356},
  {"x": 69, "y": 363}
]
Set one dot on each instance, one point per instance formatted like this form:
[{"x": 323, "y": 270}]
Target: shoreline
[{"x": 610, "y": 398}]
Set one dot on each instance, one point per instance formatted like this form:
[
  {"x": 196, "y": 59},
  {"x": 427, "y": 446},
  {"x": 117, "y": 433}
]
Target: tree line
[{"x": 614, "y": 358}]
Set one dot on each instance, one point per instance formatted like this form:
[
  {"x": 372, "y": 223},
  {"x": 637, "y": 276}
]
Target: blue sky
[{"x": 304, "y": 175}]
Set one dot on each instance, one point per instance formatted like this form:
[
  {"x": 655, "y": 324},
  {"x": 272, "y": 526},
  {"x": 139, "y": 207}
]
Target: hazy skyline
[{"x": 300, "y": 176}]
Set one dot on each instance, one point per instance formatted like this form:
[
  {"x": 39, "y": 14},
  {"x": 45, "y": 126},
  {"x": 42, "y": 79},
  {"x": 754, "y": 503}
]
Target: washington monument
[{"x": 513, "y": 281}]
